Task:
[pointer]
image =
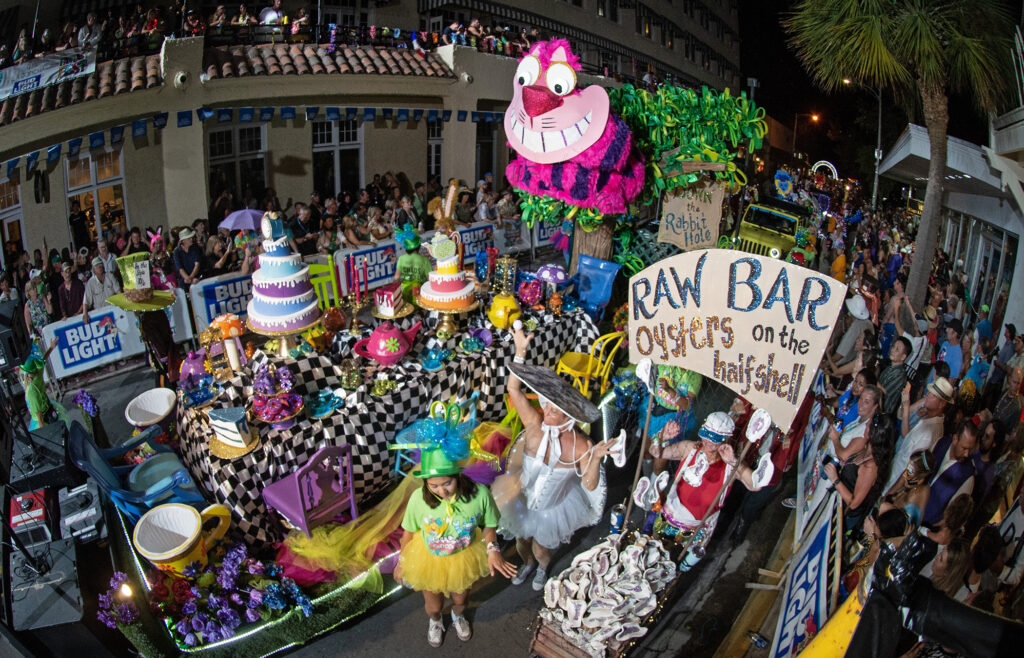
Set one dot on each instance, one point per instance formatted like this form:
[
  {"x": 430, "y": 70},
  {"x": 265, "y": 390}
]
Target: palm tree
[{"x": 927, "y": 48}]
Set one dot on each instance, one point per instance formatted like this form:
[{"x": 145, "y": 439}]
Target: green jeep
[{"x": 769, "y": 229}]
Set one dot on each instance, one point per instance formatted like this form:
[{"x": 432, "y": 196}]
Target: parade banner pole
[{"x": 646, "y": 374}]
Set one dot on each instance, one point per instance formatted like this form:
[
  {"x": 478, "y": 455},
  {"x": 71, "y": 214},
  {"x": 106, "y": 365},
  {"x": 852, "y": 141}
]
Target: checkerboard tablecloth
[{"x": 366, "y": 422}]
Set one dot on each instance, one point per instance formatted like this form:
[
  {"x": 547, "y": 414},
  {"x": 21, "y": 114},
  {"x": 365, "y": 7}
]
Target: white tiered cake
[{"x": 283, "y": 299}]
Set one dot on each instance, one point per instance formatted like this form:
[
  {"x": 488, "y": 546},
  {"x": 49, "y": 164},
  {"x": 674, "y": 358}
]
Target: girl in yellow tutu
[{"x": 450, "y": 540}]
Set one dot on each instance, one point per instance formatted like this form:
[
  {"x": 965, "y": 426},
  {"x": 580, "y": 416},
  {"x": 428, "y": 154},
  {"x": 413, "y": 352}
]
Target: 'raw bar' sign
[{"x": 756, "y": 324}]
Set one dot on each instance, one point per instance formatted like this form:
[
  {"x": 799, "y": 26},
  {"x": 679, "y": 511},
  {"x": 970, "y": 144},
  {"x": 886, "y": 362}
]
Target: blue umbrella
[{"x": 246, "y": 219}]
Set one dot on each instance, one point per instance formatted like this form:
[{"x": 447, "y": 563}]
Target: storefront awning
[{"x": 968, "y": 171}]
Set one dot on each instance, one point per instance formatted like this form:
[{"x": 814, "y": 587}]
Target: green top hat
[
  {"x": 138, "y": 294},
  {"x": 434, "y": 463}
]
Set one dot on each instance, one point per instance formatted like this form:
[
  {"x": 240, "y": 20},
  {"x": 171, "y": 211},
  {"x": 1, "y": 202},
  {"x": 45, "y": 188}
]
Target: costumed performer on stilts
[
  {"x": 704, "y": 468},
  {"x": 141, "y": 277},
  {"x": 443, "y": 553},
  {"x": 555, "y": 482}
]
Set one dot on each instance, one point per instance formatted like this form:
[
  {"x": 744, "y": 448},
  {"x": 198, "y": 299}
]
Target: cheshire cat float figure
[{"x": 569, "y": 145}]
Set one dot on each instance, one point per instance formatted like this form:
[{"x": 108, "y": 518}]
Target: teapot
[
  {"x": 387, "y": 344},
  {"x": 503, "y": 310}
]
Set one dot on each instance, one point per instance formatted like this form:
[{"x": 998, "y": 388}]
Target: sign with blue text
[
  {"x": 690, "y": 220},
  {"x": 805, "y": 603},
  {"x": 756, "y": 324},
  {"x": 110, "y": 335},
  {"x": 228, "y": 293},
  {"x": 47, "y": 69}
]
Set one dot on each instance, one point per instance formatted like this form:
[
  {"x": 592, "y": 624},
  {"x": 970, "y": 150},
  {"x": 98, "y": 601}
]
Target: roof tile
[{"x": 297, "y": 59}]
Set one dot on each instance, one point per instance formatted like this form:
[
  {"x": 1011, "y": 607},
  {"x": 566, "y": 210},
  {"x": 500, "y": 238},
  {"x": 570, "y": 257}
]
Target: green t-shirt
[
  {"x": 414, "y": 267},
  {"x": 35, "y": 396},
  {"x": 685, "y": 382},
  {"x": 443, "y": 535}
]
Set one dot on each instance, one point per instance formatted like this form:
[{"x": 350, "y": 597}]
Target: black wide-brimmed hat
[{"x": 545, "y": 383}]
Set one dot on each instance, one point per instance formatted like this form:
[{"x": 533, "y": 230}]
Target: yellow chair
[
  {"x": 596, "y": 365},
  {"x": 325, "y": 283}
]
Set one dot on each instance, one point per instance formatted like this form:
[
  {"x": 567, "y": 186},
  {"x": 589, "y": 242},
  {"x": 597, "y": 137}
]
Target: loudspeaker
[
  {"x": 38, "y": 601},
  {"x": 13, "y": 339}
]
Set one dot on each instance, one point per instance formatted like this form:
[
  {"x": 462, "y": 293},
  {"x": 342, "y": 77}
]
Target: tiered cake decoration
[
  {"x": 283, "y": 299},
  {"x": 446, "y": 288}
]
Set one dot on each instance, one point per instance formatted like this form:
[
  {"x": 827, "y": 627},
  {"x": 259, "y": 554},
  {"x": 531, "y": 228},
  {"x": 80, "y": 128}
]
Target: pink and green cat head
[{"x": 551, "y": 120}]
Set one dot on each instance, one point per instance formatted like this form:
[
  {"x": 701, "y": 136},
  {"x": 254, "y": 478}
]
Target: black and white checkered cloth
[{"x": 366, "y": 422}]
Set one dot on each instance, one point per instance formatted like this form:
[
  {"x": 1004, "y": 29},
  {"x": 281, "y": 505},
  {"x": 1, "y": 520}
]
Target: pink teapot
[{"x": 387, "y": 344}]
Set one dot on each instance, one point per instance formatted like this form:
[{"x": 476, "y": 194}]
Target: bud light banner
[
  {"x": 45, "y": 70},
  {"x": 543, "y": 232},
  {"x": 375, "y": 265},
  {"x": 110, "y": 335},
  {"x": 229, "y": 293}
]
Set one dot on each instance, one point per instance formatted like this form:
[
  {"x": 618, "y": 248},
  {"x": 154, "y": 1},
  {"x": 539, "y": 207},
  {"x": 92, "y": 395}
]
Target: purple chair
[{"x": 317, "y": 492}]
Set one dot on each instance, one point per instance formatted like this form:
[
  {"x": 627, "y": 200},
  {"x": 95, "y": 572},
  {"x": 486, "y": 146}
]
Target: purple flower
[
  {"x": 119, "y": 578},
  {"x": 197, "y": 623},
  {"x": 106, "y": 600},
  {"x": 127, "y": 613},
  {"x": 87, "y": 402},
  {"x": 183, "y": 627},
  {"x": 189, "y": 608},
  {"x": 229, "y": 618},
  {"x": 255, "y": 598},
  {"x": 226, "y": 578},
  {"x": 236, "y": 598},
  {"x": 251, "y": 615},
  {"x": 256, "y": 568},
  {"x": 202, "y": 618},
  {"x": 107, "y": 618},
  {"x": 212, "y": 632},
  {"x": 192, "y": 570},
  {"x": 191, "y": 639},
  {"x": 215, "y": 602}
]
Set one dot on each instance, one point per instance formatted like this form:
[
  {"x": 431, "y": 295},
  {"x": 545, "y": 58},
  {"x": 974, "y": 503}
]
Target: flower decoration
[
  {"x": 87, "y": 403},
  {"x": 116, "y": 609},
  {"x": 212, "y": 602},
  {"x": 392, "y": 345}
]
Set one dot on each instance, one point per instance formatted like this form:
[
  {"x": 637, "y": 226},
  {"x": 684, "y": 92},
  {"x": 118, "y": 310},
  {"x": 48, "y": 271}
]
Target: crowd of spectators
[{"x": 924, "y": 405}]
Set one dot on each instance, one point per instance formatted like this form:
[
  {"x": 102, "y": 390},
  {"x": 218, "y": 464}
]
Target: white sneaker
[
  {"x": 789, "y": 503},
  {"x": 524, "y": 572},
  {"x": 461, "y": 626},
  {"x": 435, "y": 633},
  {"x": 539, "y": 579}
]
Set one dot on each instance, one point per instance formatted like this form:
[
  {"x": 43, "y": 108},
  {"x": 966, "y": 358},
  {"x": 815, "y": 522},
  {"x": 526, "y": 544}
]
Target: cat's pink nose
[{"x": 538, "y": 100}]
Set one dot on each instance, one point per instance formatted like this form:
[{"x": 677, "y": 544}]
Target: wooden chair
[
  {"x": 325, "y": 283},
  {"x": 596, "y": 365},
  {"x": 317, "y": 492}
]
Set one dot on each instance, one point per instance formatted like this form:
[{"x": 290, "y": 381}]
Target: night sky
[{"x": 848, "y": 118}]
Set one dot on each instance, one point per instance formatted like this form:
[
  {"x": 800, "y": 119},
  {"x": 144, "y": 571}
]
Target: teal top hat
[{"x": 408, "y": 237}]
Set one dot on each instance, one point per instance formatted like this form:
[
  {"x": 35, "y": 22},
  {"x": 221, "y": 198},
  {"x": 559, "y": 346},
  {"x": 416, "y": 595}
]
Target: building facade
[{"x": 216, "y": 119}]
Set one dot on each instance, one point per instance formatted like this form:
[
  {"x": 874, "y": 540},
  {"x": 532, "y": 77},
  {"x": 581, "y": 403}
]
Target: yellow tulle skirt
[{"x": 444, "y": 574}]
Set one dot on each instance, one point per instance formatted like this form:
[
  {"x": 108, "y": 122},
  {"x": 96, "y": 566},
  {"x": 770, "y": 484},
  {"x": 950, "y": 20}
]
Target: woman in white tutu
[{"x": 555, "y": 483}]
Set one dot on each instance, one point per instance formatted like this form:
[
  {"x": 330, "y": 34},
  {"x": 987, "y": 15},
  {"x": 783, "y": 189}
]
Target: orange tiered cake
[{"x": 446, "y": 288}]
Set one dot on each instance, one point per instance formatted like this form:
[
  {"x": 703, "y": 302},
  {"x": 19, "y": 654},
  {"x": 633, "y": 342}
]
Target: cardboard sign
[
  {"x": 805, "y": 602},
  {"x": 756, "y": 324},
  {"x": 690, "y": 221}
]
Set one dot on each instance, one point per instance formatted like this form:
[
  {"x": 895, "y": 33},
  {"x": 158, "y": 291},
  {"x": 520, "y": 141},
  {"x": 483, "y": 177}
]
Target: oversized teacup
[{"x": 171, "y": 536}]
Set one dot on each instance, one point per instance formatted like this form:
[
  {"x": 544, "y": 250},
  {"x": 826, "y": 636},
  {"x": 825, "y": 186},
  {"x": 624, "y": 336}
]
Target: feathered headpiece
[
  {"x": 409, "y": 238},
  {"x": 442, "y": 430}
]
